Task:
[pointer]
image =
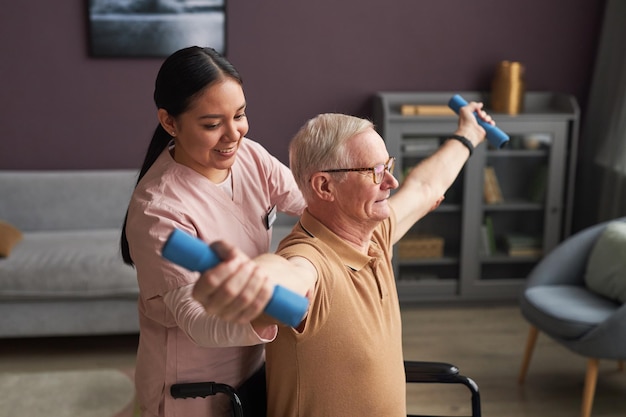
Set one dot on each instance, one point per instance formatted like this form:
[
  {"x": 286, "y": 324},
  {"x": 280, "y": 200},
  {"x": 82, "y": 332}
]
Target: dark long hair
[{"x": 182, "y": 77}]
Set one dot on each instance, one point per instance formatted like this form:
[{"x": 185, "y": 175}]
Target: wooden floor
[{"x": 486, "y": 343}]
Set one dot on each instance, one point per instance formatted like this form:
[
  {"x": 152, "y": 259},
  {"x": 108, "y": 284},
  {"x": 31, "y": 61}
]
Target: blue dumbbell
[
  {"x": 495, "y": 136},
  {"x": 195, "y": 255}
]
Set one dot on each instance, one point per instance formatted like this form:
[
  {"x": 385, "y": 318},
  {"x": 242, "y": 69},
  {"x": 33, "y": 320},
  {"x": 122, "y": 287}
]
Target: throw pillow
[
  {"x": 9, "y": 236},
  {"x": 606, "y": 267}
]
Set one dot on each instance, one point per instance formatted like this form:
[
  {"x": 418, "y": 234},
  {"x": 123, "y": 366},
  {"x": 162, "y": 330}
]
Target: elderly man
[{"x": 345, "y": 357}]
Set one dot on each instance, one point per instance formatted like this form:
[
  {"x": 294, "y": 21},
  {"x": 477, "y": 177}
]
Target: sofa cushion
[
  {"x": 65, "y": 200},
  {"x": 606, "y": 268},
  {"x": 70, "y": 264},
  {"x": 9, "y": 236}
]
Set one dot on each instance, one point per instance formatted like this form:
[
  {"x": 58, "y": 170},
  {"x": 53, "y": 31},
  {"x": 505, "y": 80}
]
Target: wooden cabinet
[{"x": 476, "y": 246}]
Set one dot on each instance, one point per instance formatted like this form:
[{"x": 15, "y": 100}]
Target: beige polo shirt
[{"x": 347, "y": 361}]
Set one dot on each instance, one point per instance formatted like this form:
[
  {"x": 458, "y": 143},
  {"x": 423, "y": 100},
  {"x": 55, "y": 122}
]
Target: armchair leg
[
  {"x": 590, "y": 387},
  {"x": 528, "y": 353},
  {"x": 620, "y": 365}
]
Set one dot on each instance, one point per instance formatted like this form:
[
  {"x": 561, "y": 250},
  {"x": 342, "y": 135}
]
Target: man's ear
[
  {"x": 167, "y": 122},
  {"x": 323, "y": 186}
]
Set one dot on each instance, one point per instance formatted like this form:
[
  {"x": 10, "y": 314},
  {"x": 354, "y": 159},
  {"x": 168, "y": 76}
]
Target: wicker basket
[{"x": 422, "y": 246}]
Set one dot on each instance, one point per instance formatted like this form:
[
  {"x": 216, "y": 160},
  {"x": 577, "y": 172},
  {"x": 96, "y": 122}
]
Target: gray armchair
[{"x": 557, "y": 302}]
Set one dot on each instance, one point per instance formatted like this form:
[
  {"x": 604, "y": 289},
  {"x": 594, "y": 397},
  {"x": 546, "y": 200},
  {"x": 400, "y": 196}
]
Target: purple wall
[{"x": 60, "y": 109}]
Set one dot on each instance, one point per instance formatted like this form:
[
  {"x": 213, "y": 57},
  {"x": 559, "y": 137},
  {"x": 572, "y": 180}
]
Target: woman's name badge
[{"x": 270, "y": 218}]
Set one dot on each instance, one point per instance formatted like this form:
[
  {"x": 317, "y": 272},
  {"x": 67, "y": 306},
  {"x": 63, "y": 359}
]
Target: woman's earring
[{"x": 174, "y": 134}]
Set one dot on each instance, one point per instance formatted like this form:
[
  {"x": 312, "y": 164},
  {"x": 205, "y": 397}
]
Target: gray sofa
[{"x": 65, "y": 277}]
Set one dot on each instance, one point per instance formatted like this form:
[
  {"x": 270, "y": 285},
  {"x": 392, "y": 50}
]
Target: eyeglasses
[{"x": 378, "y": 171}]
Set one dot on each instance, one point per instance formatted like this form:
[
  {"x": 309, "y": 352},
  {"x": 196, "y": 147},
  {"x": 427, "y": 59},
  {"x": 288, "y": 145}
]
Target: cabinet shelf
[
  {"x": 518, "y": 153},
  {"x": 534, "y": 173},
  {"x": 512, "y": 205},
  {"x": 503, "y": 258},
  {"x": 448, "y": 208},
  {"x": 444, "y": 260}
]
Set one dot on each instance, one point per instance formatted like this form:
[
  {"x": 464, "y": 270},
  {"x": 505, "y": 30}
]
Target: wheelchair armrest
[
  {"x": 442, "y": 372},
  {"x": 419, "y": 371},
  {"x": 199, "y": 389},
  {"x": 205, "y": 389}
]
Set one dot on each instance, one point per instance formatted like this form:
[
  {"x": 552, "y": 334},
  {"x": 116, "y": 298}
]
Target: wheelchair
[{"x": 416, "y": 372}]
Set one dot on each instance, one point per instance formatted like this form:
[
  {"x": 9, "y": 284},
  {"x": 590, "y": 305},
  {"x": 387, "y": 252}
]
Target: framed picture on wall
[{"x": 154, "y": 28}]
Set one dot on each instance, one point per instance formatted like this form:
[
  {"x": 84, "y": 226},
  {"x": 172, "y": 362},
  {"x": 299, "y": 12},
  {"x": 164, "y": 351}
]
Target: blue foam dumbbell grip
[
  {"x": 495, "y": 136},
  {"x": 194, "y": 254}
]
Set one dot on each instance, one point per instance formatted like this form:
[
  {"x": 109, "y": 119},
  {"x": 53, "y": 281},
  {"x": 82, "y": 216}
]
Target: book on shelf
[
  {"x": 485, "y": 246},
  {"x": 525, "y": 252},
  {"x": 519, "y": 244},
  {"x": 492, "y": 192},
  {"x": 490, "y": 236}
]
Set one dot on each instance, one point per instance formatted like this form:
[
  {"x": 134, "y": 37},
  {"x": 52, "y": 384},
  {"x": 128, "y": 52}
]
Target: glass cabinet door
[
  {"x": 428, "y": 257},
  {"x": 521, "y": 208}
]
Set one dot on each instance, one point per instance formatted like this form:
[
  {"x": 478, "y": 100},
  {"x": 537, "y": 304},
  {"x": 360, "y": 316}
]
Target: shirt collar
[{"x": 349, "y": 255}]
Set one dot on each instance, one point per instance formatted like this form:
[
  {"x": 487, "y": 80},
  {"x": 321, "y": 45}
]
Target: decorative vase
[{"x": 507, "y": 90}]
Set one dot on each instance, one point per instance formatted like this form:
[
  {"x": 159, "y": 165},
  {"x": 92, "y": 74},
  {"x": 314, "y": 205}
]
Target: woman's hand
[{"x": 237, "y": 289}]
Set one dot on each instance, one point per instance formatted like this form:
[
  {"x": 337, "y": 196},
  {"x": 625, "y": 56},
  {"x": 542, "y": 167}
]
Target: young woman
[{"x": 203, "y": 176}]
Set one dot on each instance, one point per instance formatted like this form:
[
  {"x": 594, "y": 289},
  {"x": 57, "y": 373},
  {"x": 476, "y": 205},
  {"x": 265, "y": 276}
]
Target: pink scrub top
[{"x": 170, "y": 196}]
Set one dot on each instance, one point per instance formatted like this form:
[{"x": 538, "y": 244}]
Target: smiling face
[
  {"x": 358, "y": 197},
  {"x": 208, "y": 134}
]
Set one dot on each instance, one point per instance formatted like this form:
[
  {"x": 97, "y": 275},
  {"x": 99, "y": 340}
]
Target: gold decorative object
[{"x": 508, "y": 86}]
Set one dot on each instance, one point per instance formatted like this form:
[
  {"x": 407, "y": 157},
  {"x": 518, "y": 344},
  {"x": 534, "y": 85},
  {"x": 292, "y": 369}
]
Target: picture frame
[{"x": 154, "y": 28}]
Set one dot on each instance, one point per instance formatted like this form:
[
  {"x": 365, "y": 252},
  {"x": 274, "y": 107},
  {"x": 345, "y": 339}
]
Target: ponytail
[{"x": 160, "y": 140}]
